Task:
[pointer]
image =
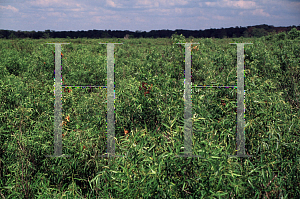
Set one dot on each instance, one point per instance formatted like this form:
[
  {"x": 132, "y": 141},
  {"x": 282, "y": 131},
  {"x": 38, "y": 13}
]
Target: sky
[{"x": 144, "y": 15}]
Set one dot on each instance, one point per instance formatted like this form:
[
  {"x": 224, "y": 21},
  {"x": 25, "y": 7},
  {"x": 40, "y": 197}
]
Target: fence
[{"x": 240, "y": 141}]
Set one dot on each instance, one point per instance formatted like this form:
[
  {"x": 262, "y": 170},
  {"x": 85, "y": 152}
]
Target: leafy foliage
[{"x": 149, "y": 107}]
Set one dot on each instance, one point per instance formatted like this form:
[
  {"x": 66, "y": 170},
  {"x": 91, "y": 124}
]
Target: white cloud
[{"x": 9, "y": 8}]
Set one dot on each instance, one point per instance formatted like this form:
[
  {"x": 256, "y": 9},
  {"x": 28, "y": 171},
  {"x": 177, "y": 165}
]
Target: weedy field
[{"x": 149, "y": 119}]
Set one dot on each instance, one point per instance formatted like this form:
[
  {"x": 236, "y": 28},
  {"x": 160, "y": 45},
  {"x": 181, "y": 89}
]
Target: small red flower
[
  {"x": 223, "y": 103},
  {"x": 143, "y": 85},
  {"x": 84, "y": 147},
  {"x": 126, "y": 132},
  {"x": 147, "y": 92}
]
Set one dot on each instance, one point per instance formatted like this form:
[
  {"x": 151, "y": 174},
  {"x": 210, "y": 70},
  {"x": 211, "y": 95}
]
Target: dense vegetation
[
  {"x": 232, "y": 32},
  {"x": 154, "y": 120}
]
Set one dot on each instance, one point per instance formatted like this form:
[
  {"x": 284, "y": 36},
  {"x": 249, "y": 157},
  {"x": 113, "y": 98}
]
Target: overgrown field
[{"x": 152, "y": 118}]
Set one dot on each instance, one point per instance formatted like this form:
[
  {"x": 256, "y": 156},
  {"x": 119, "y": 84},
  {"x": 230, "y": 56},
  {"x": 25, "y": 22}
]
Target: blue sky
[{"x": 144, "y": 15}]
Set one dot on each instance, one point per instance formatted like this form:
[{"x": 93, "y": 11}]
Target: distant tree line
[{"x": 249, "y": 31}]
